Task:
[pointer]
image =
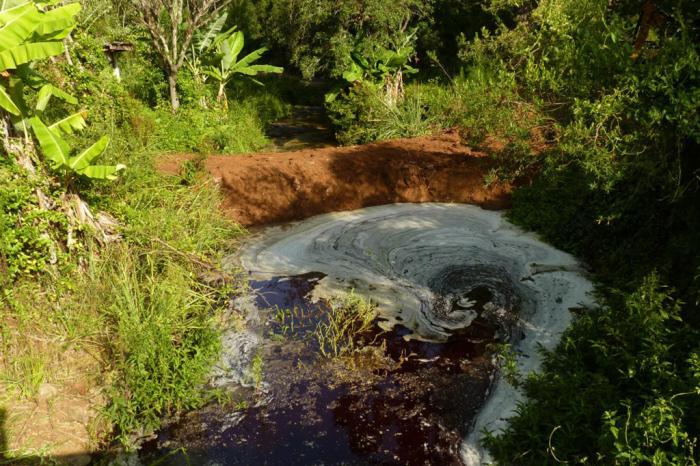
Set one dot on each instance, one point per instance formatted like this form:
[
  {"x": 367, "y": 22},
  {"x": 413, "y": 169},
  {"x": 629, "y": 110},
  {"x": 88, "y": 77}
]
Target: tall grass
[
  {"x": 482, "y": 101},
  {"x": 161, "y": 337},
  {"x": 133, "y": 317},
  {"x": 161, "y": 316},
  {"x": 349, "y": 316}
]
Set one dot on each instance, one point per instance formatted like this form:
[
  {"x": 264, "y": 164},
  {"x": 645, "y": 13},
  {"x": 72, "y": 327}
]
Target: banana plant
[
  {"x": 57, "y": 150},
  {"x": 379, "y": 67},
  {"x": 227, "y": 47},
  {"x": 28, "y": 33},
  {"x": 201, "y": 45}
]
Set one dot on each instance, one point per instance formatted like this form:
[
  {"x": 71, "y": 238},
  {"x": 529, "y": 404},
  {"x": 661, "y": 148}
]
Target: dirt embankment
[{"x": 275, "y": 187}]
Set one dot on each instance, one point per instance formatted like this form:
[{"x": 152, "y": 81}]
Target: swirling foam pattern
[{"x": 422, "y": 264}]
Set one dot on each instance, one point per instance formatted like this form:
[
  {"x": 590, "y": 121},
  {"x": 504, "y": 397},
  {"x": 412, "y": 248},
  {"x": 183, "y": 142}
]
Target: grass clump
[
  {"x": 162, "y": 338},
  {"x": 349, "y": 316},
  {"x": 160, "y": 313},
  {"x": 362, "y": 115},
  {"x": 195, "y": 129},
  {"x": 257, "y": 370}
]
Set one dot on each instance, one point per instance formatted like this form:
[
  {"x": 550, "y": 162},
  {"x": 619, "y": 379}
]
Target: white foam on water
[{"x": 408, "y": 258}]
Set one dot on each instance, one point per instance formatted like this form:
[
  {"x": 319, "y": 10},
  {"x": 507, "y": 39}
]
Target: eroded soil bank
[{"x": 274, "y": 187}]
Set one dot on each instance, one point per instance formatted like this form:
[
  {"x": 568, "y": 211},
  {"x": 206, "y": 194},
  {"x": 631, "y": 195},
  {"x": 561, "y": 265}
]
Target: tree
[
  {"x": 172, "y": 24},
  {"x": 317, "y": 36}
]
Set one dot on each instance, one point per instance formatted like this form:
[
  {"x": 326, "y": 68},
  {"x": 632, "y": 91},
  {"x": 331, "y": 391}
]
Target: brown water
[{"x": 397, "y": 401}]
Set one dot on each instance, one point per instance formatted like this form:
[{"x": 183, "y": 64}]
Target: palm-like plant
[
  {"x": 33, "y": 31},
  {"x": 227, "y": 46},
  {"x": 57, "y": 150},
  {"x": 28, "y": 34},
  {"x": 380, "y": 67}
]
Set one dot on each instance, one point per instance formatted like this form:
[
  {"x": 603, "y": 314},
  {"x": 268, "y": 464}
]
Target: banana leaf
[
  {"x": 47, "y": 91},
  {"x": 56, "y": 24},
  {"x": 25, "y": 53},
  {"x": 19, "y": 25},
  {"x": 7, "y": 104},
  {"x": 205, "y": 40},
  {"x": 82, "y": 160},
  {"x": 69, "y": 124},
  {"x": 102, "y": 172},
  {"x": 54, "y": 148}
]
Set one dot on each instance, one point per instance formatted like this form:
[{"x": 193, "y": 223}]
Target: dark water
[{"x": 396, "y": 402}]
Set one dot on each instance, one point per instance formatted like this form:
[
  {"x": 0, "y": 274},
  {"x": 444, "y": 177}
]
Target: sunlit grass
[{"x": 348, "y": 317}]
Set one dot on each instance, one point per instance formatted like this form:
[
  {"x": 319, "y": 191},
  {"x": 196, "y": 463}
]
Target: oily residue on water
[{"x": 449, "y": 281}]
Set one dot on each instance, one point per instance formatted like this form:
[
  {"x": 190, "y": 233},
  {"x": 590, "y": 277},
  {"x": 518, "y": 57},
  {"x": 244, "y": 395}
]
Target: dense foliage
[
  {"x": 592, "y": 107},
  {"x": 149, "y": 321},
  {"x": 318, "y": 37},
  {"x": 618, "y": 185}
]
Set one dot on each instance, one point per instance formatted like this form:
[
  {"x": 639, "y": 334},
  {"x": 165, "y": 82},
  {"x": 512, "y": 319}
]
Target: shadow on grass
[{"x": 177, "y": 457}]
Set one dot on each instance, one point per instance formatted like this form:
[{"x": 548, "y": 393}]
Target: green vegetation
[
  {"x": 594, "y": 107},
  {"x": 634, "y": 369},
  {"x": 257, "y": 368},
  {"x": 227, "y": 46},
  {"x": 617, "y": 185},
  {"x": 591, "y": 107},
  {"x": 107, "y": 288},
  {"x": 320, "y": 37},
  {"x": 349, "y": 316}
]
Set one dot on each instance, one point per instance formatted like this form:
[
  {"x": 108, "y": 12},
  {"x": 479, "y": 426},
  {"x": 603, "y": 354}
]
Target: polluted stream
[{"x": 451, "y": 284}]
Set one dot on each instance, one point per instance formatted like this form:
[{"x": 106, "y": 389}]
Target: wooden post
[{"x": 113, "y": 49}]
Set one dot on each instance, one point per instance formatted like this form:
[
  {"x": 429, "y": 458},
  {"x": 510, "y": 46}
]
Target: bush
[
  {"x": 622, "y": 387},
  {"x": 160, "y": 321},
  {"x": 617, "y": 186},
  {"x": 162, "y": 340},
  {"x": 30, "y": 236},
  {"x": 361, "y": 115}
]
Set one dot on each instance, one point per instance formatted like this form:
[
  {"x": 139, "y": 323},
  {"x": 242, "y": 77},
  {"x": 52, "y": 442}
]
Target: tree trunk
[{"x": 172, "y": 82}]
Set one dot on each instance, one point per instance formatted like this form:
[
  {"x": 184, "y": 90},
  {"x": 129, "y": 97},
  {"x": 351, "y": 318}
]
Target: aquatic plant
[
  {"x": 257, "y": 367},
  {"x": 348, "y": 317}
]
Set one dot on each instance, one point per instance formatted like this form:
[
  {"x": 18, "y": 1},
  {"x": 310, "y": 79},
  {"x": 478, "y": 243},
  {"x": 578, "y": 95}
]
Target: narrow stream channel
[
  {"x": 307, "y": 127},
  {"x": 451, "y": 283}
]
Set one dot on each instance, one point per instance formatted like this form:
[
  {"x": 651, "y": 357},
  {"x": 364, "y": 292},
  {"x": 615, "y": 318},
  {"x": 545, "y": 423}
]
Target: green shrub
[
  {"x": 361, "y": 115},
  {"x": 621, "y": 388},
  {"x": 483, "y": 102},
  {"x": 30, "y": 237},
  {"x": 194, "y": 129},
  {"x": 161, "y": 322},
  {"x": 317, "y": 37},
  {"x": 163, "y": 340}
]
